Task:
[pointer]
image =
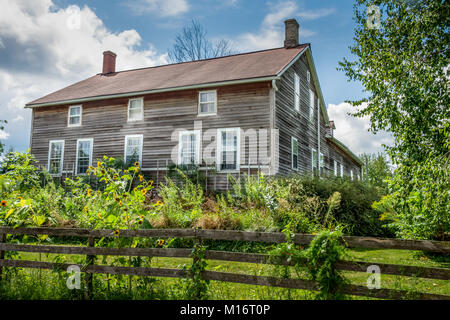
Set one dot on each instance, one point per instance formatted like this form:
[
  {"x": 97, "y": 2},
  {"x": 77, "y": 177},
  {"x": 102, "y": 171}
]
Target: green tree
[
  {"x": 376, "y": 169},
  {"x": 402, "y": 61},
  {"x": 2, "y": 146}
]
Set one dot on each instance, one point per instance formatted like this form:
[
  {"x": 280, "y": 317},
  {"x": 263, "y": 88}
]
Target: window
[
  {"x": 308, "y": 76},
  {"x": 133, "y": 149},
  {"x": 84, "y": 155},
  {"x": 321, "y": 160},
  {"x": 189, "y": 147},
  {"x": 294, "y": 152},
  {"x": 297, "y": 92},
  {"x": 55, "y": 157},
  {"x": 351, "y": 174},
  {"x": 207, "y": 103},
  {"x": 335, "y": 167},
  {"x": 311, "y": 105},
  {"x": 228, "y": 149},
  {"x": 341, "y": 170},
  {"x": 314, "y": 160},
  {"x": 136, "y": 109},
  {"x": 74, "y": 116}
]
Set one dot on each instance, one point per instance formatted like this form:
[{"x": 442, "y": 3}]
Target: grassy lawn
[{"x": 41, "y": 282}]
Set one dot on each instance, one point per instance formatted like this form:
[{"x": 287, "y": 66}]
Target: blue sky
[{"x": 41, "y": 51}]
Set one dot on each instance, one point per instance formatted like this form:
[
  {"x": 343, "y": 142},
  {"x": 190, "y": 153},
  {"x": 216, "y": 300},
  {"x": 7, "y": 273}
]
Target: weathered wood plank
[
  {"x": 270, "y": 237},
  {"x": 67, "y": 232},
  {"x": 2, "y": 252},
  {"x": 229, "y": 277},
  {"x": 359, "y": 266},
  {"x": 137, "y": 252}
]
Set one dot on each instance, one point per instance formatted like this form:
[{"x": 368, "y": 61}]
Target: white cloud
[
  {"x": 165, "y": 8},
  {"x": 353, "y": 132},
  {"x": 271, "y": 32},
  {"x": 45, "y": 48},
  {"x": 315, "y": 14},
  {"x": 3, "y": 135}
]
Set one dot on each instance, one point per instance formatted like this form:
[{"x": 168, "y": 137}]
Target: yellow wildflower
[
  {"x": 89, "y": 192},
  {"x": 160, "y": 242},
  {"x": 141, "y": 178}
]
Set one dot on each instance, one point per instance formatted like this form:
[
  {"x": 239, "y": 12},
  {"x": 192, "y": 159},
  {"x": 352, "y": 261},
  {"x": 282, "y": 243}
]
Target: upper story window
[
  {"x": 297, "y": 92},
  {"x": 341, "y": 170},
  {"x": 308, "y": 76},
  {"x": 207, "y": 103},
  {"x": 189, "y": 147},
  {"x": 311, "y": 105},
  {"x": 84, "y": 155},
  {"x": 75, "y": 114},
  {"x": 133, "y": 149},
  {"x": 55, "y": 157},
  {"x": 335, "y": 167},
  {"x": 136, "y": 109},
  {"x": 314, "y": 160},
  {"x": 228, "y": 149},
  {"x": 294, "y": 153}
]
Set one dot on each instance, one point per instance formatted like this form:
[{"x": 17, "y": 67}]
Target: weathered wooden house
[{"x": 261, "y": 110}]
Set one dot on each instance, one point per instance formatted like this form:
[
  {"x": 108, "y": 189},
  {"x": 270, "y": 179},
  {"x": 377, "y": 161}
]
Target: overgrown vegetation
[
  {"x": 112, "y": 196},
  {"x": 402, "y": 62}
]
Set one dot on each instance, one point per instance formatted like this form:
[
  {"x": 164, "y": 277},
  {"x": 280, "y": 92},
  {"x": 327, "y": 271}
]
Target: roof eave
[
  {"x": 145, "y": 92},
  {"x": 346, "y": 149}
]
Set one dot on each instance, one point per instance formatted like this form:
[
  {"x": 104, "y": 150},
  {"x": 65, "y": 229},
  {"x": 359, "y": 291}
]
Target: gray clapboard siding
[
  {"x": 244, "y": 106},
  {"x": 297, "y": 124}
]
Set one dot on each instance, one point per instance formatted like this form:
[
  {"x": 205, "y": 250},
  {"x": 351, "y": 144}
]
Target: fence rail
[{"x": 91, "y": 252}]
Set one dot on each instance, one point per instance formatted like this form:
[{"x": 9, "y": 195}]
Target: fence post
[
  {"x": 2, "y": 254},
  {"x": 89, "y": 276}
]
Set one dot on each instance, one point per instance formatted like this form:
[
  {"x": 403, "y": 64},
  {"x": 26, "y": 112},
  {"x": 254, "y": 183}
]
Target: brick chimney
[
  {"x": 291, "y": 34},
  {"x": 109, "y": 62}
]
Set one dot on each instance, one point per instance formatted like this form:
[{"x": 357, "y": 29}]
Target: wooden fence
[{"x": 91, "y": 252}]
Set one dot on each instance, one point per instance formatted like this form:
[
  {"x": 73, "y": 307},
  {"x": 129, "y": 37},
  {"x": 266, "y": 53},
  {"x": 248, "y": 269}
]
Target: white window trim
[
  {"x": 81, "y": 116},
  {"x": 219, "y": 148},
  {"x": 205, "y": 114},
  {"x": 314, "y": 163},
  {"x": 321, "y": 162},
  {"x": 91, "y": 140},
  {"x": 126, "y": 146},
  {"x": 335, "y": 163},
  {"x": 62, "y": 156},
  {"x": 351, "y": 175},
  {"x": 292, "y": 153},
  {"x": 197, "y": 145},
  {"x": 297, "y": 94},
  {"x": 142, "y": 109},
  {"x": 308, "y": 76},
  {"x": 341, "y": 170},
  {"x": 311, "y": 105}
]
